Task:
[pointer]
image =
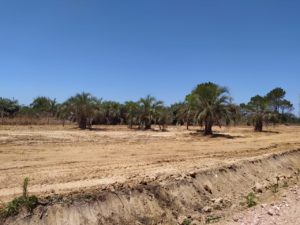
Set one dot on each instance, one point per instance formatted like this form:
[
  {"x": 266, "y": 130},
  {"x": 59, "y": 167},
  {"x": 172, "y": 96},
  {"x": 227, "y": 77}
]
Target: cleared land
[{"x": 60, "y": 160}]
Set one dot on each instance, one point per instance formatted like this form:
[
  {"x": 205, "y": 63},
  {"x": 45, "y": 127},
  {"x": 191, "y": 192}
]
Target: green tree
[
  {"x": 210, "y": 103},
  {"x": 41, "y": 104},
  {"x": 63, "y": 112},
  {"x": 8, "y": 107},
  {"x": 275, "y": 99},
  {"x": 191, "y": 110},
  {"x": 285, "y": 106},
  {"x": 111, "y": 112},
  {"x": 178, "y": 111},
  {"x": 235, "y": 114},
  {"x": 272, "y": 107},
  {"x": 258, "y": 108},
  {"x": 83, "y": 107},
  {"x": 132, "y": 110},
  {"x": 44, "y": 107},
  {"x": 163, "y": 116},
  {"x": 148, "y": 107}
]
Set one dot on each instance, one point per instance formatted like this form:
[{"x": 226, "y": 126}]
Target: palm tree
[
  {"x": 210, "y": 103},
  {"x": 44, "y": 107},
  {"x": 257, "y": 110},
  {"x": 258, "y": 105},
  {"x": 8, "y": 107},
  {"x": 178, "y": 111},
  {"x": 131, "y": 112},
  {"x": 83, "y": 106},
  {"x": 190, "y": 110},
  {"x": 63, "y": 112},
  {"x": 148, "y": 107},
  {"x": 111, "y": 112},
  {"x": 235, "y": 114},
  {"x": 163, "y": 116}
]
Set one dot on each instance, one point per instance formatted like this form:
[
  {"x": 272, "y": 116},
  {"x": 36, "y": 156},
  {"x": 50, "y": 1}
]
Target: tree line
[{"x": 207, "y": 105}]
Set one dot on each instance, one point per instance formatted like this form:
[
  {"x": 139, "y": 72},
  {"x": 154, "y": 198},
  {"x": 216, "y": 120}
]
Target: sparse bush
[
  {"x": 13, "y": 207},
  {"x": 251, "y": 200},
  {"x": 186, "y": 222}
]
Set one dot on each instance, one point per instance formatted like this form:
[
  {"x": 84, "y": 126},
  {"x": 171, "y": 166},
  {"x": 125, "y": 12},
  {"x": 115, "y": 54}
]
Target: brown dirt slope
[{"x": 199, "y": 197}]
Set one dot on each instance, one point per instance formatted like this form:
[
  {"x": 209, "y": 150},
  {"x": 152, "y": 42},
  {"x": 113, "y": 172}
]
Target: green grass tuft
[
  {"x": 186, "y": 222},
  {"x": 12, "y": 208},
  {"x": 251, "y": 200}
]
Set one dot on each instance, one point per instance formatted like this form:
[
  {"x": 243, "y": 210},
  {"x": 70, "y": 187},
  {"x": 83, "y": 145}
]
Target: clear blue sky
[{"x": 122, "y": 50}]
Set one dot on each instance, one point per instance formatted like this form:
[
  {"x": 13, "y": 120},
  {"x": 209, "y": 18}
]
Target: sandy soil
[
  {"x": 282, "y": 209},
  {"x": 58, "y": 159}
]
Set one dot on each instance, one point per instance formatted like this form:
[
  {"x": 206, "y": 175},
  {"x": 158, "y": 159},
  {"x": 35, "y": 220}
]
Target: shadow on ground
[{"x": 215, "y": 135}]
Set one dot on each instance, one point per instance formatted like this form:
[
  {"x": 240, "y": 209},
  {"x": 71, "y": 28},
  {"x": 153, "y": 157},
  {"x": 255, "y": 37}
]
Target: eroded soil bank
[{"x": 197, "y": 197}]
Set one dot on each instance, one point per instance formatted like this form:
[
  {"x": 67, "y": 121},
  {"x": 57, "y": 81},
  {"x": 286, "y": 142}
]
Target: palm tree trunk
[
  {"x": 82, "y": 123},
  {"x": 130, "y": 123},
  {"x": 2, "y": 117},
  {"x": 147, "y": 126},
  {"x": 208, "y": 128},
  {"x": 187, "y": 121},
  {"x": 258, "y": 126}
]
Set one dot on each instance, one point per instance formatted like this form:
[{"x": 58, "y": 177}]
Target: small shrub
[
  {"x": 12, "y": 208},
  {"x": 31, "y": 203},
  {"x": 251, "y": 200},
  {"x": 186, "y": 222}
]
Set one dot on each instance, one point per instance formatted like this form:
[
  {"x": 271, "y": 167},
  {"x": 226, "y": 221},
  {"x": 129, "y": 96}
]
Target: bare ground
[
  {"x": 63, "y": 160},
  {"x": 282, "y": 208}
]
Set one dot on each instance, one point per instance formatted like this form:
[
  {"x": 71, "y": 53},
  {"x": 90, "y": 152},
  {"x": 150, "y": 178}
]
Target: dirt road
[{"x": 58, "y": 159}]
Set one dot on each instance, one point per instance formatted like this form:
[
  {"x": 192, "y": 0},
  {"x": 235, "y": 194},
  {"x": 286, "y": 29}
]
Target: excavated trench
[{"x": 198, "y": 197}]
